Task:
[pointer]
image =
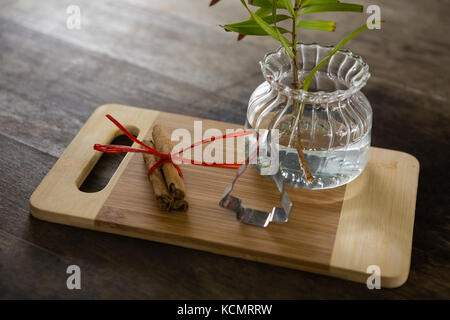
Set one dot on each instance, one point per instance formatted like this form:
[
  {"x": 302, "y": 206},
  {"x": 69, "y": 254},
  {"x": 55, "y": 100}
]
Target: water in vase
[{"x": 330, "y": 168}]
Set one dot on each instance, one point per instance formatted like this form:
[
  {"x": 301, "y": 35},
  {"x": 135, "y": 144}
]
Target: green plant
[{"x": 263, "y": 22}]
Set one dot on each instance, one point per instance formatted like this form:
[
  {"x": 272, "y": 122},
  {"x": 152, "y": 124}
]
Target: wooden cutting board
[{"x": 338, "y": 232}]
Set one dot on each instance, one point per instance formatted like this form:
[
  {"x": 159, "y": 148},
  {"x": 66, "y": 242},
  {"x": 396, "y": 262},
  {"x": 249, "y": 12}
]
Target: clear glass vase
[{"x": 332, "y": 132}]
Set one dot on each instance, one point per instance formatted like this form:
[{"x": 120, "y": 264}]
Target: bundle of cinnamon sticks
[{"x": 167, "y": 184}]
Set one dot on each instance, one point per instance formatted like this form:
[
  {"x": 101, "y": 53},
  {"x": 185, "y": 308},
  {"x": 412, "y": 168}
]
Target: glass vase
[{"x": 329, "y": 126}]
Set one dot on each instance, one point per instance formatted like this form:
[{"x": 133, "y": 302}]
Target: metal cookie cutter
[{"x": 253, "y": 216}]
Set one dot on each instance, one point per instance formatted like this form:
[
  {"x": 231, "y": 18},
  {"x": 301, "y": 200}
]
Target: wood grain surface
[
  {"x": 338, "y": 232},
  {"x": 52, "y": 78},
  {"x": 306, "y": 242}
]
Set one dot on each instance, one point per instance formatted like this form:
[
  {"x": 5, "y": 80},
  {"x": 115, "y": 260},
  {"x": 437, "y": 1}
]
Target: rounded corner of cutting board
[
  {"x": 106, "y": 108},
  {"x": 43, "y": 209},
  {"x": 407, "y": 157},
  {"x": 390, "y": 279},
  {"x": 40, "y": 208},
  {"x": 36, "y": 209},
  {"x": 395, "y": 282},
  {"x": 399, "y": 277},
  {"x": 57, "y": 198}
]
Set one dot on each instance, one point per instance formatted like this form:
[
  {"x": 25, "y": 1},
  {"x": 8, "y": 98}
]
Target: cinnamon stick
[
  {"x": 156, "y": 179},
  {"x": 174, "y": 182},
  {"x": 180, "y": 204}
]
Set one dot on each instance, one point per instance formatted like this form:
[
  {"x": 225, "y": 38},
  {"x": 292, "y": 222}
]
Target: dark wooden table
[{"x": 172, "y": 56}]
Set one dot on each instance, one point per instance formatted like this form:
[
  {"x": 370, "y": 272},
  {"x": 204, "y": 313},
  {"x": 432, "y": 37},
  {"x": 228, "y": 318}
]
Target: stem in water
[{"x": 295, "y": 83}]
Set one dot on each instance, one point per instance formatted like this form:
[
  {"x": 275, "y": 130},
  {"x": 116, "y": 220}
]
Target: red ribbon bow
[{"x": 168, "y": 157}]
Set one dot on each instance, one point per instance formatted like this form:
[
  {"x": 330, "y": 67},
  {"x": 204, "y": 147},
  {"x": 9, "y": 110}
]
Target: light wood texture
[
  {"x": 339, "y": 232},
  {"x": 377, "y": 220},
  {"x": 58, "y": 198}
]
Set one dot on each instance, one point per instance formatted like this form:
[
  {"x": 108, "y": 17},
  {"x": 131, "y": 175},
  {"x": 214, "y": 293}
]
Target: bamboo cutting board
[{"x": 338, "y": 232}]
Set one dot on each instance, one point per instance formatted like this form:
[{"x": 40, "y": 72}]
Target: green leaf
[
  {"x": 266, "y": 4},
  {"x": 328, "y": 7},
  {"x": 262, "y": 12},
  {"x": 306, "y": 82},
  {"x": 317, "y": 25},
  {"x": 274, "y": 9},
  {"x": 266, "y": 27},
  {"x": 285, "y": 44},
  {"x": 251, "y": 29},
  {"x": 283, "y": 40},
  {"x": 288, "y": 5},
  {"x": 307, "y": 3},
  {"x": 252, "y": 22}
]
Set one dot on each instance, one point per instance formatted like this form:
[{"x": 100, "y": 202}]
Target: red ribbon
[{"x": 168, "y": 157}]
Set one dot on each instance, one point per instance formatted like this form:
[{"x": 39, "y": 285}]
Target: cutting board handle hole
[{"x": 106, "y": 166}]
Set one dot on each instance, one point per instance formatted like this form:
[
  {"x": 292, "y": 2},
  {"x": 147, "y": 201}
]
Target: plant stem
[{"x": 295, "y": 83}]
